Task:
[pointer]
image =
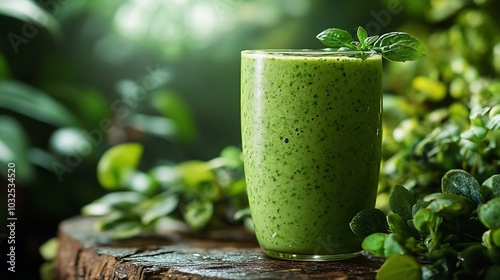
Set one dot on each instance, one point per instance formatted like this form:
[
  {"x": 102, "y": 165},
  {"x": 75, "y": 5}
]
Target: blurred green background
[{"x": 77, "y": 77}]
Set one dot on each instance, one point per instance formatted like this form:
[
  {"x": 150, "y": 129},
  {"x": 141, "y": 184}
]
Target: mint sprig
[{"x": 394, "y": 46}]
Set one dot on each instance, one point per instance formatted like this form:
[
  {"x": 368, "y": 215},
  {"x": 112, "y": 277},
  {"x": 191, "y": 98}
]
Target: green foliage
[
  {"x": 29, "y": 11},
  {"x": 395, "y": 46},
  {"x": 29, "y": 101},
  {"x": 456, "y": 232},
  {"x": 441, "y": 113},
  {"x": 200, "y": 193},
  {"x": 116, "y": 166},
  {"x": 400, "y": 267}
]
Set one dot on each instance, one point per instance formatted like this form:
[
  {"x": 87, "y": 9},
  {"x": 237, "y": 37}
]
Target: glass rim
[{"x": 310, "y": 52}]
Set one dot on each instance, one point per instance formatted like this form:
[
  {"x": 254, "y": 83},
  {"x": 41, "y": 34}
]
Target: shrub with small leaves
[
  {"x": 199, "y": 193},
  {"x": 454, "y": 234}
]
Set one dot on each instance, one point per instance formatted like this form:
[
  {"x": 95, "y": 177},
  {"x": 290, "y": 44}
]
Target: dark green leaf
[
  {"x": 460, "y": 182},
  {"x": 489, "y": 213},
  {"x": 494, "y": 255},
  {"x": 117, "y": 165},
  {"x": 400, "y": 267},
  {"x": 491, "y": 187},
  {"x": 398, "y": 225},
  {"x": 336, "y": 38},
  {"x": 419, "y": 205},
  {"x": 475, "y": 259},
  {"x": 368, "y": 221},
  {"x": 401, "y": 202},
  {"x": 33, "y": 103},
  {"x": 492, "y": 273},
  {"x": 374, "y": 244},
  {"x": 4, "y": 68},
  {"x": 438, "y": 270},
  {"x": 399, "y": 46}
]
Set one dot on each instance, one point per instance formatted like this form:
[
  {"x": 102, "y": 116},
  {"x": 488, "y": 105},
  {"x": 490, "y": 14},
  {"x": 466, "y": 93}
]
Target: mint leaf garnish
[
  {"x": 394, "y": 46},
  {"x": 336, "y": 38}
]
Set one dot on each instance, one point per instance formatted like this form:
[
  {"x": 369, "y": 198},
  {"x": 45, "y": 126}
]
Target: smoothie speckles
[{"x": 318, "y": 114}]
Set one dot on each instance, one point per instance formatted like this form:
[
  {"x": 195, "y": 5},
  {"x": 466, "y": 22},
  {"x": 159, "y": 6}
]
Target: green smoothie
[{"x": 311, "y": 135}]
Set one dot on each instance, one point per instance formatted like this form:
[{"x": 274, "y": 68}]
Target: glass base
[{"x": 317, "y": 258}]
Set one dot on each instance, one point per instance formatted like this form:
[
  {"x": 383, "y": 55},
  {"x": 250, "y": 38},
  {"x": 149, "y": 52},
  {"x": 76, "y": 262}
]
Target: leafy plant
[
  {"x": 395, "y": 46},
  {"x": 199, "y": 193},
  {"x": 453, "y": 233}
]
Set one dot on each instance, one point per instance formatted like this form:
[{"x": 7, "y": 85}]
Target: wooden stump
[{"x": 233, "y": 254}]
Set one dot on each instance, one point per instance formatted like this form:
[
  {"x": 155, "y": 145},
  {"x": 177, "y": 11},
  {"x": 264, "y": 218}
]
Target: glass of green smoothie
[{"x": 311, "y": 135}]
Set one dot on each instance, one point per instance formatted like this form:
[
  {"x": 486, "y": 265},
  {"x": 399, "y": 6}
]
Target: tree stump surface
[{"x": 232, "y": 254}]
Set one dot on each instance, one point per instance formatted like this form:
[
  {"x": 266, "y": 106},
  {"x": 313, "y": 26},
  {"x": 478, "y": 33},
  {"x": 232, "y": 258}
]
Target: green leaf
[
  {"x": 368, "y": 221},
  {"x": 374, "y": 244},
  {"x": 232, "y": 156},
  {"x": 492, "y": 272},
  {"x": 117, "y": 221},
  {"x": 426, "y": 220},
  {"x": 117, "y": 164},
  {"x": 401, "y": 202},
  {"x": 400, "y": 267},
  {"x": 161, "y": 206},
  {"x": 370, "y": 40},
  {"x": 475, "y": 259},
  {"x": 235, "y": 188},
  {"x": 14, "y": 149},
  {"x": 194, "y": 174},
  {"x": 460, "y": 182},
  {"x": 198, "y": 214},
  {"x": 393, "y": 245},
  {"x": 108, "y": 202},
  {"x": 475, "y": 134},
  {"x": 28, "y": 11},
  {"x": 449, "y": 205},
  {"x": 398, "y": 225},
  {"x": 491, "y": 238},
  {"x": 336, "y": 38},
  {"x": 31, "y": 102},
  {"x": 489, "y": 213},
  {"x": 491, "y": 187},
  {"x": 141, "y": 182},
  {"x": 48, "y": 250},
  {"x": 399, "y": 46},
  {"x": 362, "y": 35}
]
